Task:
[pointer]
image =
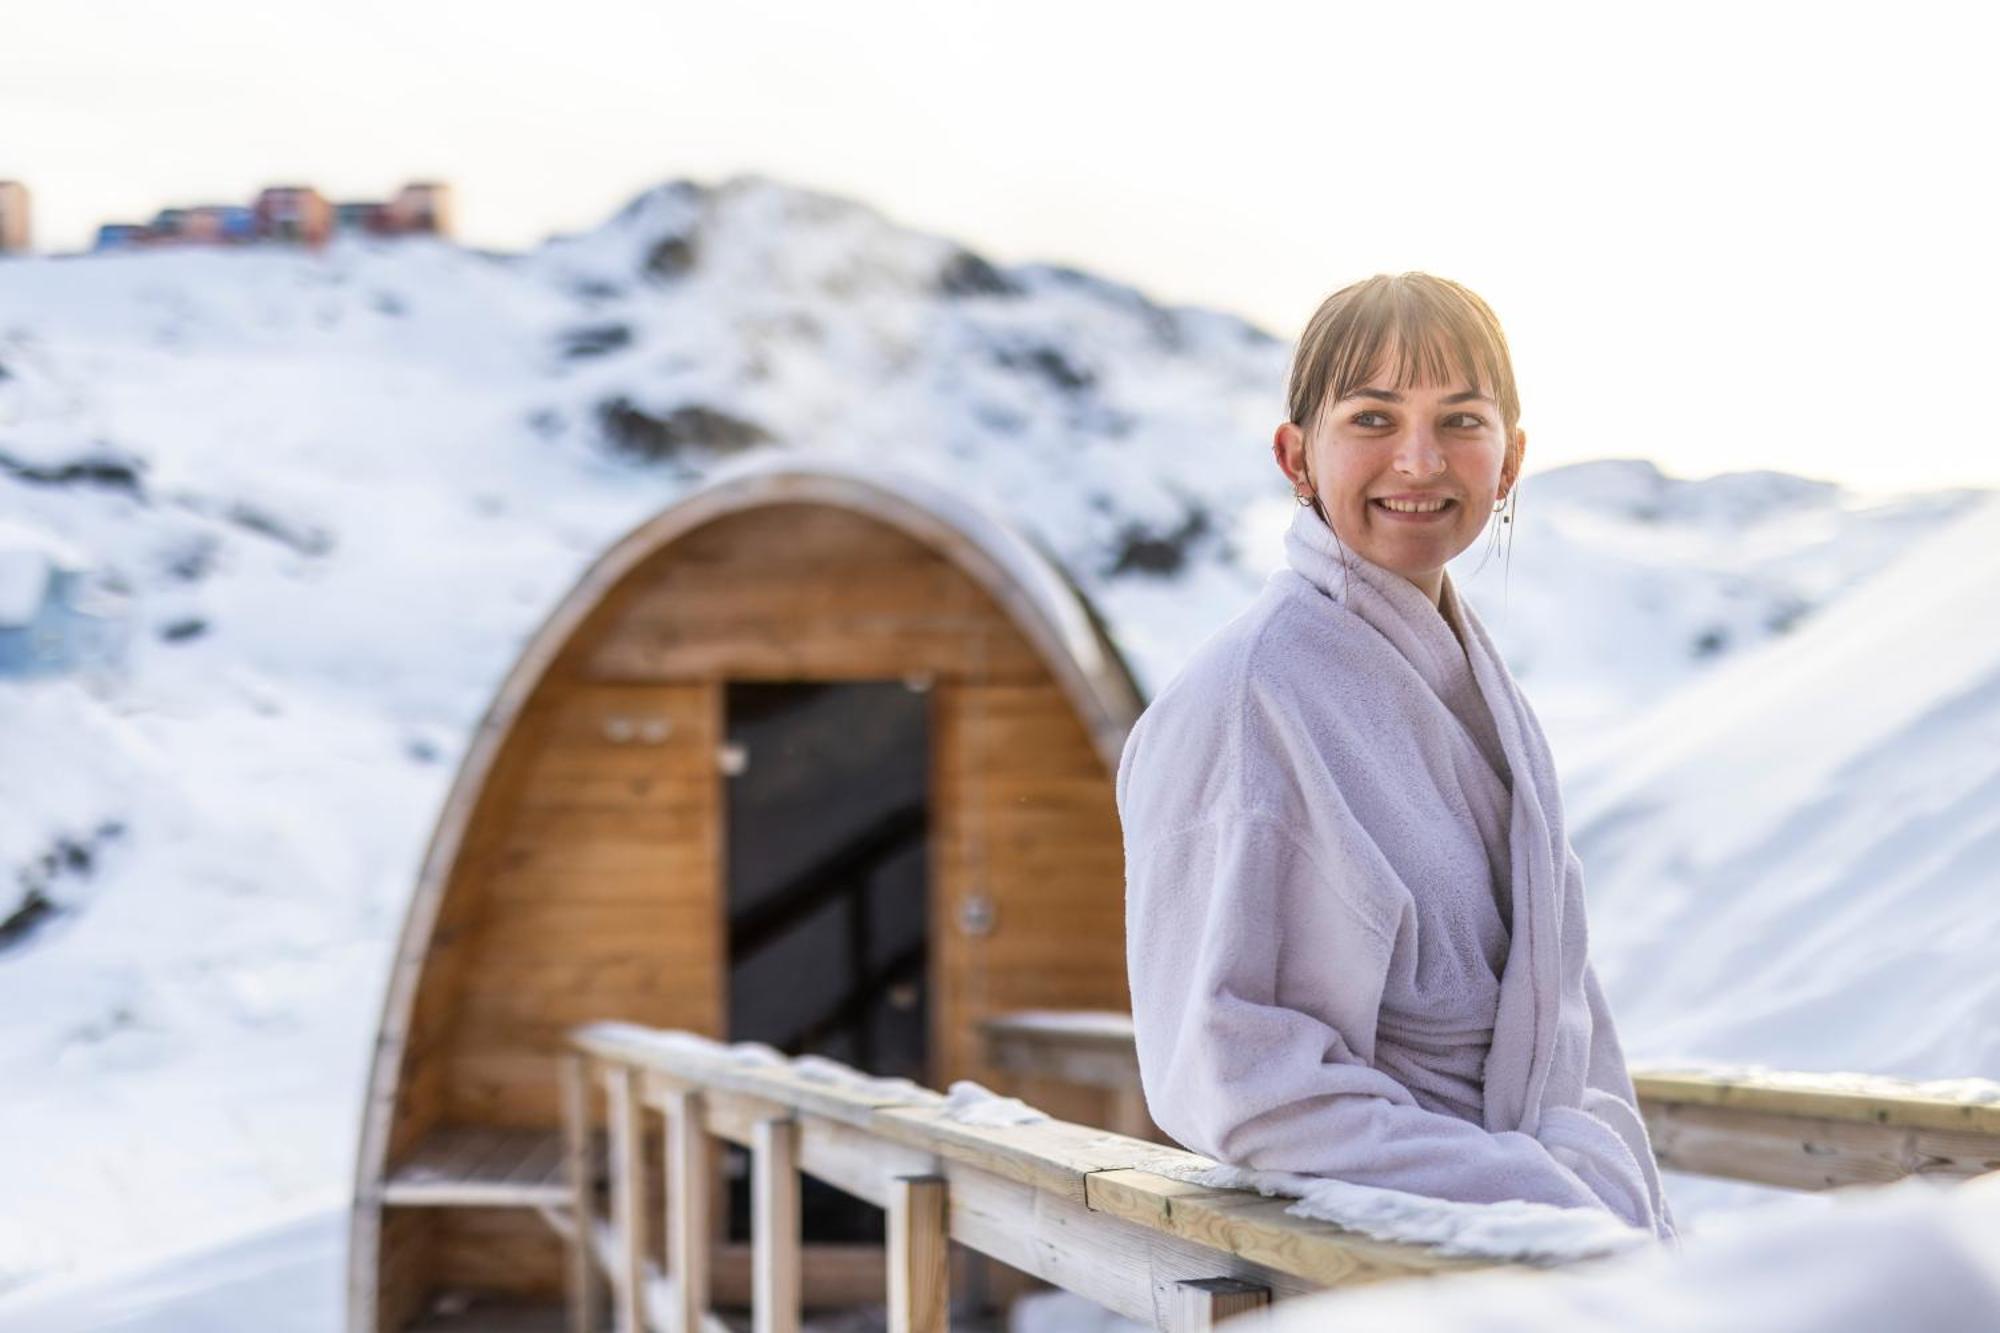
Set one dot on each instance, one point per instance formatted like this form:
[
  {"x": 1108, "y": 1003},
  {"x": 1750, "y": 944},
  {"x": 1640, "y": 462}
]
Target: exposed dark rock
[
  {"x": 1141, "y": 549},
  {"x": 195, "y": 560},
  {"x": 968, "y": 274},
  {"x": 1049, "y": 362},
  {"x": 595, "y": 289},
  {"x": 388, "y": 303},
  {"x": 1710, "y": 641},
  {"x": 594, "y": 339},
  {"x": 655, "y": 438},
  {"x": 301, "y": 537},
  {"x": 180, "y": 631},
  {"x": 5, "y": 374},
  {"x": 1785, "y": 617},
  {"x": 671, "y": 257},
  {"x": 66, "y": 858},
  {"x": 34, "y": 909},
  {"x": 106, "y": 470},
  {"x": 546, "y": 422}
]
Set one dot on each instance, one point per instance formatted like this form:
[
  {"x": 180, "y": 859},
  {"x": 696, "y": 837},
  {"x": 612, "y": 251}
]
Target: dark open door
[{"x": 827, "y": 817}]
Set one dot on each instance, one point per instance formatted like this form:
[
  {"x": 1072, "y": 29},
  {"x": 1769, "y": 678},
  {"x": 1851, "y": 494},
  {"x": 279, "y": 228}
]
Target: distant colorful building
[
  {"x": 119, "y": 236},
  {"x": 421, "y": 207},
  {"x": 13, "y": 217},
  {"x": 293, "y": 214}
]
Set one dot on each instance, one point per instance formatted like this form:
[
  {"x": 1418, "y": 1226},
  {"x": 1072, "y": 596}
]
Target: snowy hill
[
  {"x": 1796, "y": 856},
  {"x": 340, "y": 490}
]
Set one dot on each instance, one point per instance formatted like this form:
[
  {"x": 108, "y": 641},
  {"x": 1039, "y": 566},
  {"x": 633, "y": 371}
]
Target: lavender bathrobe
[{"x": 1354, "y": 924}]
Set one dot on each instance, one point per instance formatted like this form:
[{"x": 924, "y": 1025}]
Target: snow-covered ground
[{"x": 340, "y": 490}]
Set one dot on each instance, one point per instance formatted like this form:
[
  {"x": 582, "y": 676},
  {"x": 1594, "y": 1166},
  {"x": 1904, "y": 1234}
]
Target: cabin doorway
[{"x": 828, "y": 889}]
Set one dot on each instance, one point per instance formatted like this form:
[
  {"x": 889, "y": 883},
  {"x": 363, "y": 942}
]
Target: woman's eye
[
  {"x": 1467, "y": 420},
  {"x": 1361, "y": 419}
]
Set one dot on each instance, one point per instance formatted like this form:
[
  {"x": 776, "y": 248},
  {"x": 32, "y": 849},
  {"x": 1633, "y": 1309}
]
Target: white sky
[{"x": 1719, "y": 235}]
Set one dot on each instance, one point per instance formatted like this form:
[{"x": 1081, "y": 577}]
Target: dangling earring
[
  {"x": 1499, "y": 505},
  {"x": 1303, "y": 497}
]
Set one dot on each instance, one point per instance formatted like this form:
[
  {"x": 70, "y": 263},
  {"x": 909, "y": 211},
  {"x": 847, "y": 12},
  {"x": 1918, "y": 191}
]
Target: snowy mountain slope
[
  {"x": 341, "y": 489},
  {"x": 1796, "y": 857},
  {"x": 1630, "y": 583}
]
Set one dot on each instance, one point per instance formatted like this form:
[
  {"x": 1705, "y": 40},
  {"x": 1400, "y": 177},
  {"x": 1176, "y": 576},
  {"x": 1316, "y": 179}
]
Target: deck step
[{"x": 471, "y": 1166}]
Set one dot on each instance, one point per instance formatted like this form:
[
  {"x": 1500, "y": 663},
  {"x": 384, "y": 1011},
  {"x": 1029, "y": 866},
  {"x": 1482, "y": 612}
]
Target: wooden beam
[
  {"x": 1806, "y": 1152},
  {"x": 628, "y": 1192},
  {"x": 919, "y": 1242},
  {"x": 687, "y": 1210},
  {"x": 775, "y": 1241},
  {"x": 658, "y": 1297},
  {"x": 1205, "y": 1302},
  {"x": 1871, "y": 1099},
  {"x": 584, "y": 1291}
]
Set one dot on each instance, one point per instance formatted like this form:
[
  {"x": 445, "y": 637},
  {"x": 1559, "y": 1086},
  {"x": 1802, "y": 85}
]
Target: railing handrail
[
  {"x": 1966, "y": 1104},
  {"x": 1070, "y": 1203},
  {"x": 1777, "y": 1127}
]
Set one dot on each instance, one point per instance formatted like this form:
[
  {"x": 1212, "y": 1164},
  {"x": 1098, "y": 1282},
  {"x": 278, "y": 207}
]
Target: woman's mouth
[{"x": 1414, "y": 511}]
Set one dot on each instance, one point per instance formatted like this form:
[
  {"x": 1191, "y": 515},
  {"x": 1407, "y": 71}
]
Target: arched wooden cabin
[{"x": 816, "y": 757}]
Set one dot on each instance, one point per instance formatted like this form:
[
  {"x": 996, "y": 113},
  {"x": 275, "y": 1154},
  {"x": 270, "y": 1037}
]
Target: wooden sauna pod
[{"x": 590, "y": 861}]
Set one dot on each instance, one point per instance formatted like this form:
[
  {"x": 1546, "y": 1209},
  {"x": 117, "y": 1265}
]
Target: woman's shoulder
[{"x": 1217, "y": 733}]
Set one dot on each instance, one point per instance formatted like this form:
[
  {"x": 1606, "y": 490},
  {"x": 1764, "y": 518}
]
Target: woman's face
[{"x": 1383, "y": 448}]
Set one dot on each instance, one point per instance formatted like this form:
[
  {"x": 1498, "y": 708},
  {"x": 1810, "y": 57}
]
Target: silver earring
[{"x": 1303, "y": 497}]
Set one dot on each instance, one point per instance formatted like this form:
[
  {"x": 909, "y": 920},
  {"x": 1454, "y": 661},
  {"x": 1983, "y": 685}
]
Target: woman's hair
[{"x": 1433, "y": 325}]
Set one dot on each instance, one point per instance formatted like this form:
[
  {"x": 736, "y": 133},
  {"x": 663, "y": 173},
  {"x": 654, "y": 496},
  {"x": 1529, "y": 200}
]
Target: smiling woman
[
  {"x": 1355, "y": 933},
  {"x": 1404, "y": 431}
]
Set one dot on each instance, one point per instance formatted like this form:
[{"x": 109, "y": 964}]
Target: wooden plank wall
[
  {"x": 600, "y": 898},
  {"x": 1025, "y": 816}
]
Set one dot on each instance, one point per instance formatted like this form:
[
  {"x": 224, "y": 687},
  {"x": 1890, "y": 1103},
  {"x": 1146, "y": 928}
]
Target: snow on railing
[{"x": 1145, "y": 1230}]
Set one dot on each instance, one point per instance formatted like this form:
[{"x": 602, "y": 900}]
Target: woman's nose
[{"x": 1417, "y": 454}]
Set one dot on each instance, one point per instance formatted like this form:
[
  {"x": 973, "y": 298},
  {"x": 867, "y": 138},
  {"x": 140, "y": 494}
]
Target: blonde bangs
[{"x": 1432, "y": 330}]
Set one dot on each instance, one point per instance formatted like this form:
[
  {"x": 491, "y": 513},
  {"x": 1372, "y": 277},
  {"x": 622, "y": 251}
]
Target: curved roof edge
[{"x": 1019, "y": 573}]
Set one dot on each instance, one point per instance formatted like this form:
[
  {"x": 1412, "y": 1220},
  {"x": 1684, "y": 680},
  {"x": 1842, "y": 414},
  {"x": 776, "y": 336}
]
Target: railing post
[
  {"x": 1206, "y": 1302},
  {"x": 919, "y": 1241},
  {"x": 628, "y": 1272},
  {"x": 687, "y": 1208},
  {"x": 774, "y": 1227},
  {"x": 584, "y": 1290}
]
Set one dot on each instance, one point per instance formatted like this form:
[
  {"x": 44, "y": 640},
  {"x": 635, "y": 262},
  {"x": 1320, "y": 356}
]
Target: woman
[{"x": 1354, "y": 924}]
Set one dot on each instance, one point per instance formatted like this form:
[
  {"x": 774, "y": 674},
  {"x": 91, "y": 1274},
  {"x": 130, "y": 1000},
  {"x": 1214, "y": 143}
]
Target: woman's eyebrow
[{"x": 1389, "y": 396}]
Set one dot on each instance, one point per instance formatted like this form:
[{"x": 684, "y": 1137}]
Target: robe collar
[{"x": 1400, "y": 612}]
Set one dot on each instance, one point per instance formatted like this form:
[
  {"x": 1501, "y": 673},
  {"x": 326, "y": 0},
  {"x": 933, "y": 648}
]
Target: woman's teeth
[{"x": 1406, "y": 507}]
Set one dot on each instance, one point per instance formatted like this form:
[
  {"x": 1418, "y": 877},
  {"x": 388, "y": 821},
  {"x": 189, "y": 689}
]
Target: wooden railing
[
  {"x": 1799, "y": 1131},
  {"x": 1089, "y": 1210},
  {"x": 1078, "y": 1206}
]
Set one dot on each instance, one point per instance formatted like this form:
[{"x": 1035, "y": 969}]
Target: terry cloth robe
[{"x": 1354, "y": 925}]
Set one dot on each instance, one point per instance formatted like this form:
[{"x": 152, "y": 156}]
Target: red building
[
  {"x": 13, "y": 217},
  {"x": 421, "y": 206}
]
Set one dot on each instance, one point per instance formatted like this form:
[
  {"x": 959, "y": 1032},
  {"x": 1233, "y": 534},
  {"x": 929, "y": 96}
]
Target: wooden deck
[{"x": 477, "y": 1167}]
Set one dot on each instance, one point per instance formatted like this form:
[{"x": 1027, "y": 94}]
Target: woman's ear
[
  {"x": 1288, "y": 446},
  {"x": 1510, "y": 468}
]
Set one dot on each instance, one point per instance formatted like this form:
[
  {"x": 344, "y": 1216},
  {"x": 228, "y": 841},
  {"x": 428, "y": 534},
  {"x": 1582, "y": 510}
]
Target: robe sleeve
[
  {"x": 1233, "y": 1070},
  {"x": 1610, "y": 1098}
]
